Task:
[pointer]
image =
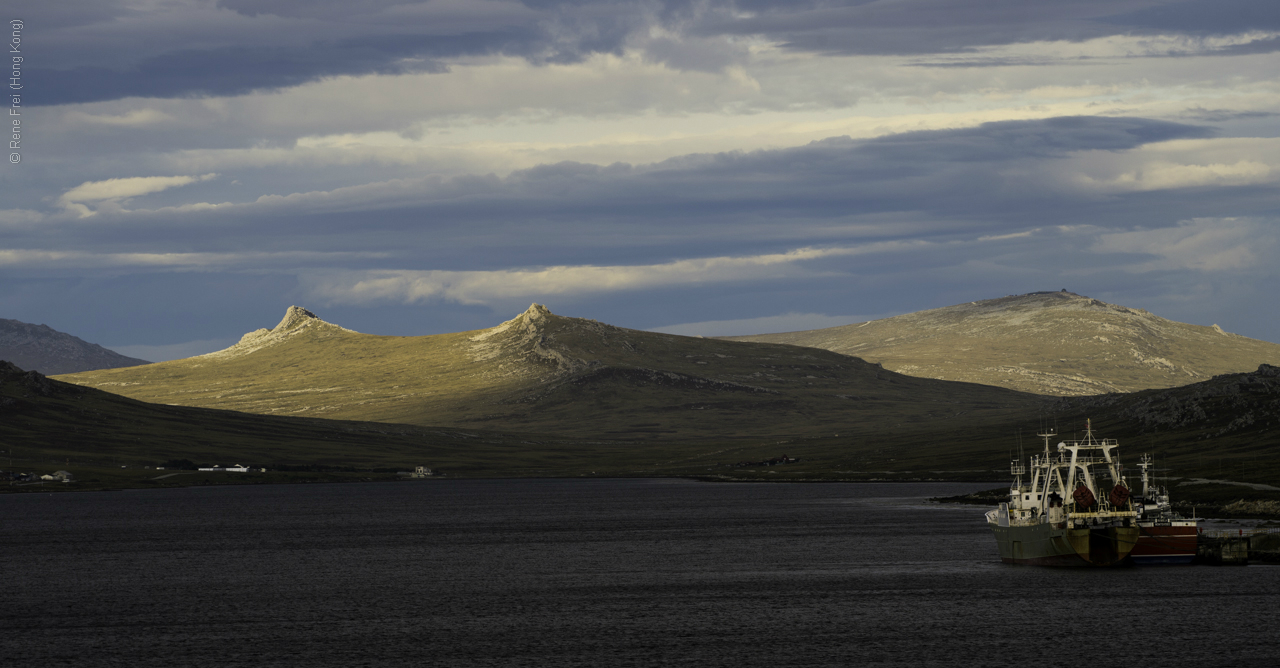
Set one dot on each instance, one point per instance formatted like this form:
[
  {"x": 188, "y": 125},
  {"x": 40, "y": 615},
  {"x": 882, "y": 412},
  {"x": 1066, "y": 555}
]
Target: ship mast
[{"x": 1143, "y": 464}]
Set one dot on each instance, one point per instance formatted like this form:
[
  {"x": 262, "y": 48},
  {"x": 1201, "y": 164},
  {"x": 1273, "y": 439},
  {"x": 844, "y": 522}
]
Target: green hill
[
  {"x": 544, "y": 373},
  {"x": 1055, "y": 343},
  {"x": 44, "y": 421}
]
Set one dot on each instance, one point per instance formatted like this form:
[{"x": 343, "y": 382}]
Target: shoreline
[{"x": 1217, "y": 500}]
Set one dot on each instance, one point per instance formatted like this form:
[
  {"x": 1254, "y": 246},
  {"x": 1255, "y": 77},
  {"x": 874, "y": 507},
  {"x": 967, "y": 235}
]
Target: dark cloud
[
  {"x": 381, "y": 36},
  {"x": 922, "y": 26},
  {"x": 1199, "y": 17},
  {"x": 910, "y": 27},
  {"x": 237, "y": 70},
  {"x": 943, "y": 187},
  {"x": 985, "y": 179},
  {"x": 1225, "y": 115}
]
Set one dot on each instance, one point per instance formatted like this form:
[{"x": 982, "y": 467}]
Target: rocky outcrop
[
  {"x": 526, "y": 344},
  {"x": 14, "y": 382},
  {"x": 1223, "y": 405},
  {"x": 297, "y": 320}
]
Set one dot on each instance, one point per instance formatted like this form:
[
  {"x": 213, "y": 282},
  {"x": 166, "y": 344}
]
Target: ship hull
[
  {"x": 1044, "y": 545},
  {"x": 1164, "y": 545}
]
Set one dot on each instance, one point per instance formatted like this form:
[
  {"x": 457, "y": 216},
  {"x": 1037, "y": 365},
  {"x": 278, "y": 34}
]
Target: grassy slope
[
  {"x": 1048, "y": 343},
  {"x": 1184, "y": 427},
  {"x": 549, "y": 374}
]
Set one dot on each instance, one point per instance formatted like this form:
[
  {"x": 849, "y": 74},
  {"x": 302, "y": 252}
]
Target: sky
[{"x": 185, "y": 170}]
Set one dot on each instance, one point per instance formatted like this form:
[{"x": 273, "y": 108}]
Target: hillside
[
  {"x": 44, "y": 349},
  {"x": 1054, "y": 343},
  {"x": 544, "y": 373},
  {"x": 1226, "y": 428},
  {"x": 44, "y": 421}
]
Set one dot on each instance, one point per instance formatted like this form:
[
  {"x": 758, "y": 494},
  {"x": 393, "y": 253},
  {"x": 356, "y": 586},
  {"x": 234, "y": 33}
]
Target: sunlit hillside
[
  {"x": 1056, "y": 343},
  {"x": 546, "y": 373}
]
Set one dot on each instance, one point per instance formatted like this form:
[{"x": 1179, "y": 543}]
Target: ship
[
  {"x": 1074, "y": 509},
  {"x": 1165, "y": 537}
]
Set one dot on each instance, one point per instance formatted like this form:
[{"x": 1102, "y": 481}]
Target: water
[{"x": 584, "y": 573}]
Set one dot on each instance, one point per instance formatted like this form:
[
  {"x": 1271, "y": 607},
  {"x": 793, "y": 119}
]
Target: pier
[{"x": 1238, "y": 548}]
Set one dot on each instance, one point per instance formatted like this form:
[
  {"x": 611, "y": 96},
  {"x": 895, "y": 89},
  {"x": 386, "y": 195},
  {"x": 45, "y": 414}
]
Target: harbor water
[{"x": 584, "y": 573}]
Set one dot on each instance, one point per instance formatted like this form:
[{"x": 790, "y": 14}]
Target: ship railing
[
  {"x": 1097, "y": 443},
  {"x": 1086, "y": 459}
]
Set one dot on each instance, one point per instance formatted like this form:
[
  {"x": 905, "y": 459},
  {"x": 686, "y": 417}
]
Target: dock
[{"x": 1238, "y": 548}]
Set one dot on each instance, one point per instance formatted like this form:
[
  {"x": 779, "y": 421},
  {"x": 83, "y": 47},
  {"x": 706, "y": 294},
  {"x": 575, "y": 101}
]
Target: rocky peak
[
  {"x": 526, "y": 337},
  {"x": 295, "y": 321},
  {"x": 528, "y": 323},
  {"x": 296, "y": 316}
]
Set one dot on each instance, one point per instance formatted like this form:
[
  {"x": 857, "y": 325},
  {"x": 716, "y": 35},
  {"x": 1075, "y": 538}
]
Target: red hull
[{"x": 1165, "y": 545}]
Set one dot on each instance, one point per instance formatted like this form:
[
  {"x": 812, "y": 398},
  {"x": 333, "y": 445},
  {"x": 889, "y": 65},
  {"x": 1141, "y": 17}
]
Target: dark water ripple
[{"x": 584, "y": 573}]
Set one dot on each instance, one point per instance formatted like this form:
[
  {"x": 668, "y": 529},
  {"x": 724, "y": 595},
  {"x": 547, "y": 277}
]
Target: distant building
[{"x": 238, "y": 468}]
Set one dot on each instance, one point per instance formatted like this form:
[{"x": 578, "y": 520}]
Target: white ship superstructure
[{"x": 1074, "y": 510}]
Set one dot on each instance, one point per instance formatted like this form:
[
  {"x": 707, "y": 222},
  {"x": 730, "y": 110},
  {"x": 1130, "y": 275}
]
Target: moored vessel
[
  {"x": 1165, "y": 537},
  {"x": 1074, "y": 510}
]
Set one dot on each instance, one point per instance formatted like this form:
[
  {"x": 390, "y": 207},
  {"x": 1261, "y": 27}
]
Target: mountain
[
  {"x": 45, "y": 349},
  {"x": 545, "y": 373},
  {"x": 1055, "y": 343}
]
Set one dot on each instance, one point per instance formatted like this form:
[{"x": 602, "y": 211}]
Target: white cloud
[
  {"x": 1179, "y": 163},
  {"x": 135, "y": 118},
  {"x": 1203, "y": 244},
  {"x": 1166, "y": 175},
  {"x": 476, "y": 287},
  {"x": 19, "y": 218},
  {"x": 1117, "y": 47},
  {"x": 115, "y": 189},
  {"x": 85, "y": 259}
]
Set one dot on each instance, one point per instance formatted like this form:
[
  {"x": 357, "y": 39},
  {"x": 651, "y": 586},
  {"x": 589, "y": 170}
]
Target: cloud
[
  {"x": 1166, "y": 175},
  {"x": 47, "y": 259},
  {"x": 1206, "y": 245},
  {"x": 1178, "y": 165},
  {"x": 135, "y": 118},
  {"x": 114, "y": 189},
  {"x": 19, "y": 218},
  {"x": 911, "y": 171},
  {"x": 989, "y": 180},
  {"x": 478, "y": 287},
  {"x": 947, "y": 26},
  {"x": 233, "y": 48}
]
